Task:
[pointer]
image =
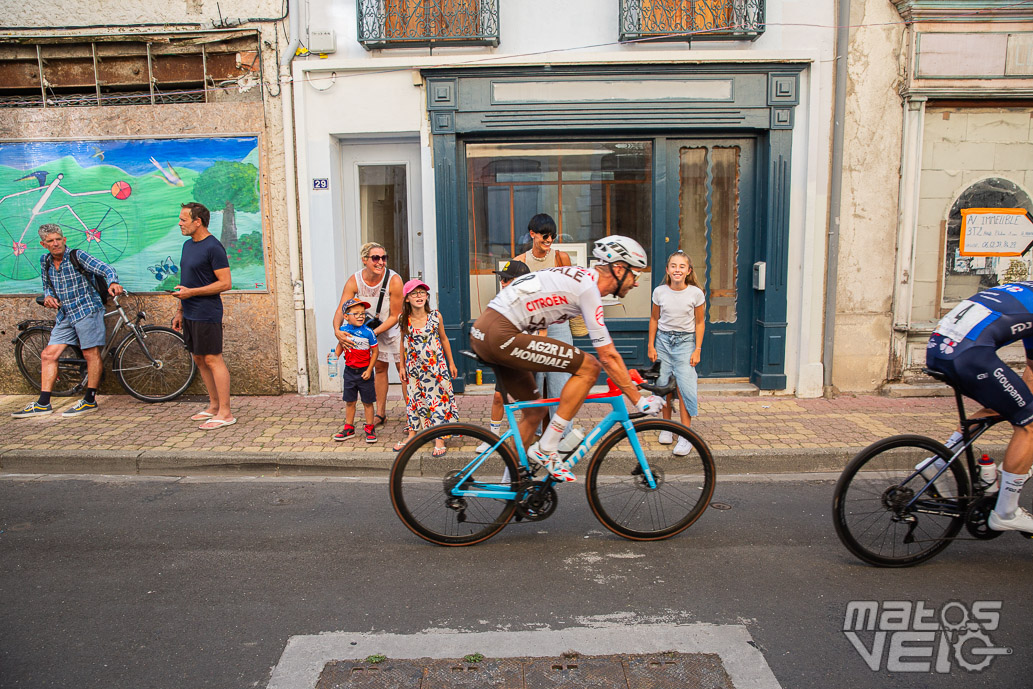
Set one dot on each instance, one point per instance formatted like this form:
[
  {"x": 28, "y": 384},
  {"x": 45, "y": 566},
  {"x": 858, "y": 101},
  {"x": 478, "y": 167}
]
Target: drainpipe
[
  {"x": 835, "y": 189},
  {"x": 290, "y": 161}
]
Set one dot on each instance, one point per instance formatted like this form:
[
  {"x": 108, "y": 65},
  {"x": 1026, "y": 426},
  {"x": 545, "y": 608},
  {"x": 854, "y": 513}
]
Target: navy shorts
[
  {"x": 202, "y": 337},
  {"x": 980, "y": 374},
  {"x": 355, "y": 386}
]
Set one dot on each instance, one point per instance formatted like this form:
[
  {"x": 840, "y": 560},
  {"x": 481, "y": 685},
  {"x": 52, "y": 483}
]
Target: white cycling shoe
[
  {"x": 556, "y": 467},
  {"x": 1021, "y": 520}
]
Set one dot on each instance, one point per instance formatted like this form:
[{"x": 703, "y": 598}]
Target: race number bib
[{"x": 962, "y": 319}]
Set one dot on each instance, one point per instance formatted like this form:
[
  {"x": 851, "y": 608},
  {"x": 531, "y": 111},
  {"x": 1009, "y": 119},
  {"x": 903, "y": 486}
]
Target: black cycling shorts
[{"x": 980, "y": 374}]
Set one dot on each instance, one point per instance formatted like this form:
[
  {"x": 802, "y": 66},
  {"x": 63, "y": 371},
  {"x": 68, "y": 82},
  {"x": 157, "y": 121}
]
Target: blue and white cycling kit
[{"x": 965, "y": 343}]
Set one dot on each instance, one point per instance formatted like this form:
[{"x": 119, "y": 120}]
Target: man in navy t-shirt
[{"x": 204, "y": 272}]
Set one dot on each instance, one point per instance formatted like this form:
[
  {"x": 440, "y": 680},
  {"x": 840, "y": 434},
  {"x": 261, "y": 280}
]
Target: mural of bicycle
[{"x": 94, "y": 226}]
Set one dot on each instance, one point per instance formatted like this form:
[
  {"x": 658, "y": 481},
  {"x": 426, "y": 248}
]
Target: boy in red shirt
[{"x": 357, "y": 373}]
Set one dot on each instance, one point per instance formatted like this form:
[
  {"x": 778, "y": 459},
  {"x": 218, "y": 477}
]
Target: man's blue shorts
[{"x": 86, "y": 332}]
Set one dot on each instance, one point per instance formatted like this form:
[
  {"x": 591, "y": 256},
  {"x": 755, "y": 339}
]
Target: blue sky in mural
[{"x": 131, "y": 156}]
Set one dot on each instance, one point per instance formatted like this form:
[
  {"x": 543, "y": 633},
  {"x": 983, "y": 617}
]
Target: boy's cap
[
  {"x": 353, "y": 302},
  {"x": 413, "y": 284},
  {"x": 512, "y": 269}
]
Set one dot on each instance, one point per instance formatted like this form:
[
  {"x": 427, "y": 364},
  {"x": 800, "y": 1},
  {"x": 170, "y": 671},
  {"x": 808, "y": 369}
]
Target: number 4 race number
[{"x": 962, "y": 319}]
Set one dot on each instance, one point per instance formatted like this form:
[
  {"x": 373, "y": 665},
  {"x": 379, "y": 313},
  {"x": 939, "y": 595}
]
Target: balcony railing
[
  {"x": 691, "y": 20},
  {"x": 416, "y": 23}
]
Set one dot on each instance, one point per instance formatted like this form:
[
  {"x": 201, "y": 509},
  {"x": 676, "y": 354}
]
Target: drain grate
[{"x": 668, "y": 670}]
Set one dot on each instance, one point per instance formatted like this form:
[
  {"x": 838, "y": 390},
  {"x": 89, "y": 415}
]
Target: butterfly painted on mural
[{"x": 164, "y": 269}]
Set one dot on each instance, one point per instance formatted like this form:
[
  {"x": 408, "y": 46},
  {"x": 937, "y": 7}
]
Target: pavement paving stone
[{"x": 295, "y": 431}]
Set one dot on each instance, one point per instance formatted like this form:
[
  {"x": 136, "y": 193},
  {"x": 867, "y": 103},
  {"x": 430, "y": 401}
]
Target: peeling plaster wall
[
  {"x": 868, "y": 215},
  {"x": 260, "y": 340},
  {"x": 57, "y": 13}
]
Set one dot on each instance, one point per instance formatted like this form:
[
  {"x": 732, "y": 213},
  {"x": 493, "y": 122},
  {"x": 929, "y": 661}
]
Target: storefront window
[
  {"x": 591, "y": 189},
  {"x": 965, "y": 275}
]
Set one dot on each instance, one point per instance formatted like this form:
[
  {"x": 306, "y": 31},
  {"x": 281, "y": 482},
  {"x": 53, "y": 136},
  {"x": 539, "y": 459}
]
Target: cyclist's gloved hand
[{"x": 651, "y": 404}]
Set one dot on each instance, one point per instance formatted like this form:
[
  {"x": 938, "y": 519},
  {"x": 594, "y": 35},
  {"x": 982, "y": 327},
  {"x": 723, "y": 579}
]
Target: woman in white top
[{"x": 676, "y": 328}]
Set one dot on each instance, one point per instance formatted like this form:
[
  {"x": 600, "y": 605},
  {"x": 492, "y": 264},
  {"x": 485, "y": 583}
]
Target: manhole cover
[{"x": 669, "y": 670}]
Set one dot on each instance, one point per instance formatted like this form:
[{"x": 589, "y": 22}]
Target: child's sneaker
[
  {"x": 371, "y": 434},
  {"x": 347, "y": 432}
]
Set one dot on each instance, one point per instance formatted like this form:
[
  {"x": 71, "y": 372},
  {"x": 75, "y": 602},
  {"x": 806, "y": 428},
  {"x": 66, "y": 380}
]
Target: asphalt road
[{"x": 171, "y": 583}]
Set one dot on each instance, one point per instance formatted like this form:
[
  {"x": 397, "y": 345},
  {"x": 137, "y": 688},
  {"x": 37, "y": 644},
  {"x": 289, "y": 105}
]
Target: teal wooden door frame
[
  {"x": 727, "y": 346},
  {"x": 746, "y": 100}
]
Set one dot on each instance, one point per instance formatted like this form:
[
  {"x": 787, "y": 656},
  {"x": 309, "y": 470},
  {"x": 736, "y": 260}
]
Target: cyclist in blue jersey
[{"x": 964, "y": 348}]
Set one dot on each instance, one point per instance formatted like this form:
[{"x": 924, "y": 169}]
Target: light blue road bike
[{"x": 649, "y": 478}]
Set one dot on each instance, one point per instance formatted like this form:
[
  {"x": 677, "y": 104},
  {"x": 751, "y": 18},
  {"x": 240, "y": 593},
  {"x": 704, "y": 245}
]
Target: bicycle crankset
[
  {"x": 538, "y": 503},
  {"x": 977, "y": 514}
]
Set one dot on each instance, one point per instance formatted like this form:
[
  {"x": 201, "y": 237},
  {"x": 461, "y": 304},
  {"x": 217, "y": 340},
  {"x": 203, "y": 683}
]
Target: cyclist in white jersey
[{"x": 504, "y": 335}]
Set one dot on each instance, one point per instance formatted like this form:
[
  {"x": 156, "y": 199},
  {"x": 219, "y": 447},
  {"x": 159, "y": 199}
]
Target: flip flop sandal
[
  {"x": 439, "y": 452},
  {"x": 201, "y": 416},
  {"x": 379, "y": 419},
  {"x": 399, "y": 445},
  {"x": 212, "y": 424}
]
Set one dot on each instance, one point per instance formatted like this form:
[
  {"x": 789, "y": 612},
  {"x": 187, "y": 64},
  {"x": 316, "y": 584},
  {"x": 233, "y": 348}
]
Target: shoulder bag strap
[{"x": 383, "y": 289}]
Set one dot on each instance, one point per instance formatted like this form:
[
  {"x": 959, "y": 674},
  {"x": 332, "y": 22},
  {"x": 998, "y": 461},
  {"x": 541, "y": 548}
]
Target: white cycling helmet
[{"x": 617, "y": 248}]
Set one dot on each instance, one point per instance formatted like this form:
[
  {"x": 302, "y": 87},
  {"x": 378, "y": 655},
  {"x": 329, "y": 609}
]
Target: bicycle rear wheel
[
  {"x": 421, "y": 485},
  {"x": 71, "y": 367},
  {"x": 870, "y": 509},
  {"x": 683, "y": 470},
  {"x": 160, "y": 377}
]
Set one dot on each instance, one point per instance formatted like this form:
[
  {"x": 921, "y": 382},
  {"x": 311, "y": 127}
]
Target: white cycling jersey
[{"x": 554, "y": 295}]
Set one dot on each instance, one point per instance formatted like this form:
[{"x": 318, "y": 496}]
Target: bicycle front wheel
[
  {"x": 871, "y": 509},
  {"x": 424, "y": 482},
  {"x": 683, "y": 472},
  {"x": 71, "y": 367},
  {"x": 161, "y": 372}
]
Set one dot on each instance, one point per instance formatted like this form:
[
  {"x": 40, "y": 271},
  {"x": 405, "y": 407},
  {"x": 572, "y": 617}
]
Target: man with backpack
[{"x": 73, "y": 288}]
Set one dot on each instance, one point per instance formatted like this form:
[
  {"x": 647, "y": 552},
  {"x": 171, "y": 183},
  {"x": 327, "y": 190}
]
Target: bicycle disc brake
[
  {"x": 452, "y": 502},
  {"x": 642, "y": 483},
  {"x": 977, "y": 514},
  {"x": 538, "y": 503}
]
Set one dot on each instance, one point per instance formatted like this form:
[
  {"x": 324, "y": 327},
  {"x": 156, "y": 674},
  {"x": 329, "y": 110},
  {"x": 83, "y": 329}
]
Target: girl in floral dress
[{"x": 427, "y": 365}]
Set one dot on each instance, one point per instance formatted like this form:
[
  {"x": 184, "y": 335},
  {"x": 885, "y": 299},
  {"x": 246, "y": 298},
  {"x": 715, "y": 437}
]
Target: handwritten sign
[{"x": 995, "y": 231}]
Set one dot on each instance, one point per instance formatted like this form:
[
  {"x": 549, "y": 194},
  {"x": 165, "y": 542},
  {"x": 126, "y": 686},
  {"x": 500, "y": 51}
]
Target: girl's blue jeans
[{"x": 674, "y": 349}]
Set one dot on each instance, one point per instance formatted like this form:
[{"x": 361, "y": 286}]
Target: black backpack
[{"x": 98, "y": 282}]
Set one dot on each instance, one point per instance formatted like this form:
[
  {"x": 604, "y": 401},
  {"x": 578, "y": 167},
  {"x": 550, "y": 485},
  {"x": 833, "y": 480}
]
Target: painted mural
[{"x": 119, "y": 200}]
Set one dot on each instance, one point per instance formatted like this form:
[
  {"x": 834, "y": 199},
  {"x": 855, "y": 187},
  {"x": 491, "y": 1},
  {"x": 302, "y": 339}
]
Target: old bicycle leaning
[
  {"x": 151, "y": 362},
  {"x": 639, "y": 485}
]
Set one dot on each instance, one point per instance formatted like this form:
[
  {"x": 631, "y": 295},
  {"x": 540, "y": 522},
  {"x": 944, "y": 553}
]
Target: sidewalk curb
[{"x": 166, "y": 463}]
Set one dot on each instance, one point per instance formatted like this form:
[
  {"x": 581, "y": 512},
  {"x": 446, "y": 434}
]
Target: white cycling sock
[
  {"x": 496, "y": 426},
  {"x": 551, "y": 437},
  {"x": 1008, "y": 496}
]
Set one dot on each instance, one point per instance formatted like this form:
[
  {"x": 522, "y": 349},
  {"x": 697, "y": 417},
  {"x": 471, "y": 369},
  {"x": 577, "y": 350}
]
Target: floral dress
[{"x": 431, "y": 400}]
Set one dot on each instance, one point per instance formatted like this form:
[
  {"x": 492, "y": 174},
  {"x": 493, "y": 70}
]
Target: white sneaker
[
  {"x": 928, "y": 468},
  {"x": 683, "y": 447},
  {"x": 1021, "y": 520},
  {"x": 556, "y": 467},
  {"x": 666, "y": 438},
  {"x": 481, "y": 448}
]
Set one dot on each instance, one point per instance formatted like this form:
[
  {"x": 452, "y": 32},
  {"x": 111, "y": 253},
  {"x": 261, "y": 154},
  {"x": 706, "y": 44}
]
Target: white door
[
  {"x": 382, "y": 204},
  {"x": 381, "y": 183}
]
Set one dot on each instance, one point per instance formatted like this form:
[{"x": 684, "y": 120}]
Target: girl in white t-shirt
[{"x": 676, "y": 336}]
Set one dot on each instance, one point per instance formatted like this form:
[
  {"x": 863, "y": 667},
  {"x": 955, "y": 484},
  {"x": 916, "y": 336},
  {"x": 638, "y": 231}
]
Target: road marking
[{"x": 305, "y": 656}]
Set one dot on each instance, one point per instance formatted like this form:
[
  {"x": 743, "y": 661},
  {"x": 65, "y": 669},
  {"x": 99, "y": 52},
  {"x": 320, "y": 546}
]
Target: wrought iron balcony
[
  {"x": 416, "y": 23},
  {"x": 691, "y": 20}
]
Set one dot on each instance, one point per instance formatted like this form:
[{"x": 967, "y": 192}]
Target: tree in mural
[{"x": 233, "y": 187}]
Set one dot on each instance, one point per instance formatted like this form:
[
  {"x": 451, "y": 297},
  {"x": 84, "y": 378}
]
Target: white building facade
[{"x": 439, "y": 127}]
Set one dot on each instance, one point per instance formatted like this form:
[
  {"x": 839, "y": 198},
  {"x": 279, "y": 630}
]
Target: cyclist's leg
[
  {"x": 577, "y": 388},
  {"x": 991, "y": 382}
]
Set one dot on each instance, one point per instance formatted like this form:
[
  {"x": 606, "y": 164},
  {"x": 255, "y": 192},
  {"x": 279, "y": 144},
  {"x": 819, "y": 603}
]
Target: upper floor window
[
  {"x": 414, "y": 23},
  {"x": 691, "y": 20}
]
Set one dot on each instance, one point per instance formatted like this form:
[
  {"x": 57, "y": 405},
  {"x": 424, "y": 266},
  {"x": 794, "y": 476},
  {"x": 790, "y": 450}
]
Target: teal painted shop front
[{"x": 677, "y": 156}]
